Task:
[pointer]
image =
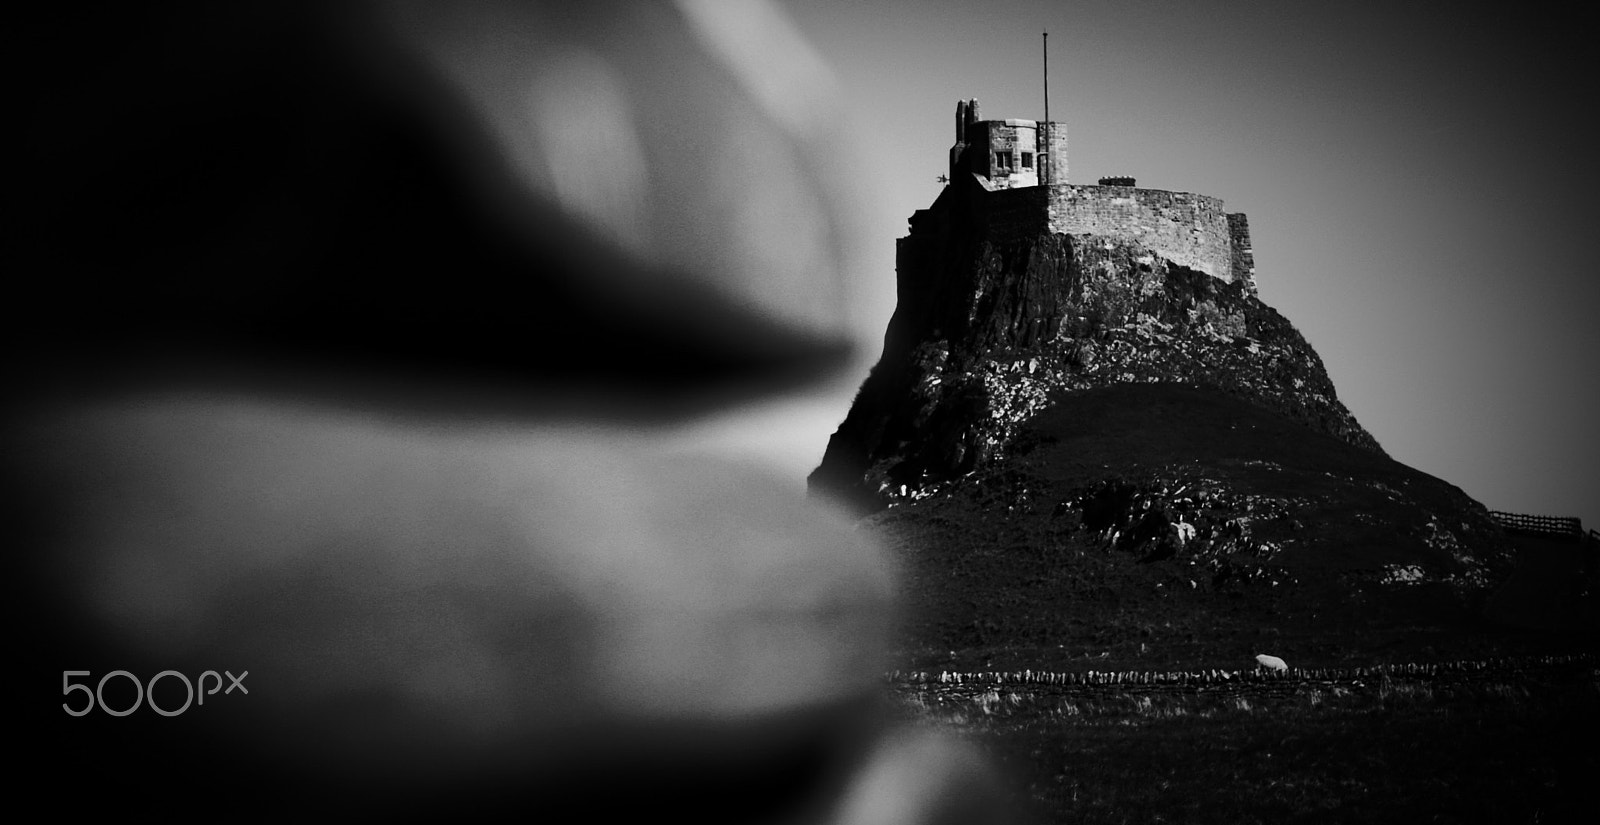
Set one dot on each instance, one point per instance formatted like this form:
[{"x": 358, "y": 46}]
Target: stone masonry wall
[
  {"x": 1244, "y": 256},
  {"x": 1187, "y": 229}
]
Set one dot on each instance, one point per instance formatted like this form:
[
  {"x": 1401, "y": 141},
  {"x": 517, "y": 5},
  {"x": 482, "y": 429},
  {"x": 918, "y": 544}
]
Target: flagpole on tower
[{"x": 1044, "y": 153}]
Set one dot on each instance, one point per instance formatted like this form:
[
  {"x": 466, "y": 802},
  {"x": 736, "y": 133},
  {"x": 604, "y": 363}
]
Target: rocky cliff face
[
  {"x": 985, "y": 338},
  {"x": 1069, "y": 437}
]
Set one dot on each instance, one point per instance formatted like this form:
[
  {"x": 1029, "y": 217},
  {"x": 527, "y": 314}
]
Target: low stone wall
[{"x": 1242, "y": 681}]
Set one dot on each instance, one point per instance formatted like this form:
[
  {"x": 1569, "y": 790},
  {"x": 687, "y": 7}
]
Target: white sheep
[{"x": 1272, "y": 663}]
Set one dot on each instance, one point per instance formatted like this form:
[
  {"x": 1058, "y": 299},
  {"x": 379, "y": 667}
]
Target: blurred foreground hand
[{"x": 362, "y": 339}]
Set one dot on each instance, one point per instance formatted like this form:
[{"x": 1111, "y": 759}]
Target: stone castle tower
[
  {"x": 1000, "y": 178},
  {"x": 1007, "y": 153}
]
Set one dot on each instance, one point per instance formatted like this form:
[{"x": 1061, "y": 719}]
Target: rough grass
[
  {"x": 1502, "y": 751},
  {"x": 1012, "y": 567},
  {"x": 1019, "y": 566}
]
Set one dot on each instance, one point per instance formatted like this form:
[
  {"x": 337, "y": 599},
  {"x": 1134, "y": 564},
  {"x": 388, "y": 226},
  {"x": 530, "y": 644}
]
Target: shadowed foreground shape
[{"x": 361, "y": 337}]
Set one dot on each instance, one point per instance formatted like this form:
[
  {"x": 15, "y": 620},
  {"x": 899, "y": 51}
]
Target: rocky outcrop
[
  {"x": 1070, "y": 440},
  {"x": 989, "y": 332}
]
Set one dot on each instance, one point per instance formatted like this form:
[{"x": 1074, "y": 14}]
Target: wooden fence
[{"x": 1539, "y": 525}]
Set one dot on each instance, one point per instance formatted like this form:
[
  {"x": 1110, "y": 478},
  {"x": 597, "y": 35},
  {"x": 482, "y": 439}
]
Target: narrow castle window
[
  {"x": 1027, "y": 160},
  {"x": 1002, "y": 161}
]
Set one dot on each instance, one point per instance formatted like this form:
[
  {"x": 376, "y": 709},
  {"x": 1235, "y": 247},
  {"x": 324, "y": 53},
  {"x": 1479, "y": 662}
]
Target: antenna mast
[{"x": 1044, "y": 166}]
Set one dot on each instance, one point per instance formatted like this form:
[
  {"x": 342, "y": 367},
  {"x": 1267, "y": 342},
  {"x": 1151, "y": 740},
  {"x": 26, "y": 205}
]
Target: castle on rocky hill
[
  {"x": 1017, "y": 288},
  {"x": 1001, "y": 181}
]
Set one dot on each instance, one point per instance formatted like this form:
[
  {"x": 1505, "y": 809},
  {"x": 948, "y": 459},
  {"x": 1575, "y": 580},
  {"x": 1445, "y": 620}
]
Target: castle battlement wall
[
  {"x": 1188, "y": 229},
  {"x": 994, "y": 170}
]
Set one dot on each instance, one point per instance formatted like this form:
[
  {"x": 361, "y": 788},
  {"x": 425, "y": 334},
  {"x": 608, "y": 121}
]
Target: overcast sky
[{"x": 1416, "y": 181}]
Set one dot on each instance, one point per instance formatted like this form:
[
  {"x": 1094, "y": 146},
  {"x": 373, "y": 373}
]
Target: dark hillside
[
  {"x": 1555, "y": 588},
  {"x": 1188, "y": 527}
]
